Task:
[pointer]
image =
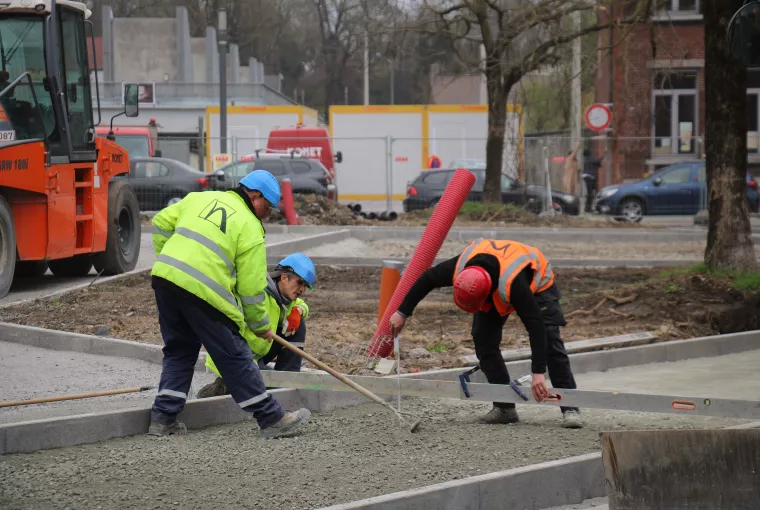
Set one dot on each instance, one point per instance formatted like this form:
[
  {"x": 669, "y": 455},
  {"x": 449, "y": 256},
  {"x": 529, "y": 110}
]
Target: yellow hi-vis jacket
[
  {"x": 212, "y": 245},
  {"x": 277, "y": 314}
]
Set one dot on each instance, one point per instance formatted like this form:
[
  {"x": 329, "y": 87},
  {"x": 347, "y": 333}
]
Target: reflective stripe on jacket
[
  {"x": 212, "y": 245},
  {"x": 513, "y": 258}
]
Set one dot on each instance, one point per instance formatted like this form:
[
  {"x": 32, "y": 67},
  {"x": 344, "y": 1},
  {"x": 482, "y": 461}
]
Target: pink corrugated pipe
[
  {"x": 288, "y": 207},
  {"x": 432, "y": 239}
]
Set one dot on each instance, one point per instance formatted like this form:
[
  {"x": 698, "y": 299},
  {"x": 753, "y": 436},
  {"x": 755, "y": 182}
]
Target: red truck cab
[
  {"x": 138, "y": 141},
  {"x": 312, "y": 142}
]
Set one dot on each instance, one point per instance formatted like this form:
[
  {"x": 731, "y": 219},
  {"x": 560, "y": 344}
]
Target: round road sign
[{"x": 598, "y": 117}]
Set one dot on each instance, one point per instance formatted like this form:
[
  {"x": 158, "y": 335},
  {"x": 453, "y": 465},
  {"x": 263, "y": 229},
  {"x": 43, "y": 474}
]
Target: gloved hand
[{"x": 292, "y": 322}]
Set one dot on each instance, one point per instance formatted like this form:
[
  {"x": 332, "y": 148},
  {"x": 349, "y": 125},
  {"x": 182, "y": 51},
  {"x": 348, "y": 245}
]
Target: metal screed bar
[{"x": 614, "y": 400}]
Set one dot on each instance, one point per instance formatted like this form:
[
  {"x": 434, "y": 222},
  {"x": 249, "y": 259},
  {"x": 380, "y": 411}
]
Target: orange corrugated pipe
[
  {"x": 389, "y": 279},
  {"x": 288, "y": 207}
]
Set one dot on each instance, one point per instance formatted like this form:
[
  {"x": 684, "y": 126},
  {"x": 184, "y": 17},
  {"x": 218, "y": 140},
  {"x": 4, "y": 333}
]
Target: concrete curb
[
  {"x": 595, "y": 361},
  {"x": 88, "y": 344},
  {"x": 282, "y": 248},
  {"x": 31, "y": 436},
  {"x": 95, "y": 281},
  {"x": 557, "y": 263},
  {"x": 543, "y": 485}
]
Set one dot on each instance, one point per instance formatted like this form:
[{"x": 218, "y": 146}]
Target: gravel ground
[
  {"x": 344, "y": 455},
  {"x": 31, "y": 372},
  {"x": 592, "y": 250}
]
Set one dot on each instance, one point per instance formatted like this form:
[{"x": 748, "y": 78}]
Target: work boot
[
  {"x": 163, "y": 429},
  {"x": 501, "y": 415},
  {"x": 214, "y": 389},
  {"x": 571, "y": 419},
  {"x": 290, "y": 425}
]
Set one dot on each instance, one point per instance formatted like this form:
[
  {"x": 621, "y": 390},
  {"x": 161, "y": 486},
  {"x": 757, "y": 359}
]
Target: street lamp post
[{"x": 223, "y": 80}]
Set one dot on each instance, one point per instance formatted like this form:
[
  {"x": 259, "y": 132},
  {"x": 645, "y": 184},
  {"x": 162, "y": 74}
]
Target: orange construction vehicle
[{"x": 58, "y": 206}]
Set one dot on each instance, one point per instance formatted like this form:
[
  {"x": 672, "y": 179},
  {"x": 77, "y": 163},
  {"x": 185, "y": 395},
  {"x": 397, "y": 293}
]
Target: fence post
[
  {"x": 388, "y": 173},
  {"x": 548, "y": 203}
]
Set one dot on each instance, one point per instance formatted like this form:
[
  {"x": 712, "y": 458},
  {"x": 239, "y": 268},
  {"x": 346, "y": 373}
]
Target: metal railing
[{"x": 177, "y": 93}]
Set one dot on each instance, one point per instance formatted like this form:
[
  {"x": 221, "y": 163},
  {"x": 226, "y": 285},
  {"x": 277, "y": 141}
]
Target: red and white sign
[
  {"x": 598, "y": 117},
  {"x": 402, "y": 159},
  {"x": 558, "y": 159}
]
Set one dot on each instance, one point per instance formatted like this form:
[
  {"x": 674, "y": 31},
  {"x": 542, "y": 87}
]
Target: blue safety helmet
[
  {"x": 302, "y": 266},
  {"x": 266, "y": 184}
]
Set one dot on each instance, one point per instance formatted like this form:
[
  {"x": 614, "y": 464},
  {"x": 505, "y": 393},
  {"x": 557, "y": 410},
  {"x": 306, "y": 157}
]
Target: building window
[
  {"x": 677, "y": 8},
  {"x": 675, "y": 113},
  {"x": 753, "y": 113}
]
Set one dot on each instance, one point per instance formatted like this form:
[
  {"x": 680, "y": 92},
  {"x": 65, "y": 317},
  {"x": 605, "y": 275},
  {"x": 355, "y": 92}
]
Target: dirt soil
[
  {"x": 597, "y": 303},
  {"x": 318, "y": 210},
  {"x": 343, "y": 456}
]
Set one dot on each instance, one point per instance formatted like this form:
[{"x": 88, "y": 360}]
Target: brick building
[{"x": 654, "y": 79}]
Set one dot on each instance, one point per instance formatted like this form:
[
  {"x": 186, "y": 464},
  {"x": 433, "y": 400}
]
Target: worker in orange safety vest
[{"x": 491, "y": 279}]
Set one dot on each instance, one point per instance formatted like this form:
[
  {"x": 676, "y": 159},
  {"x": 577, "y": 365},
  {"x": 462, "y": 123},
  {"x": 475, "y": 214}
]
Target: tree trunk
[
  {"x": 729, "y": 241},
  {"x": 497, "y": 120}
]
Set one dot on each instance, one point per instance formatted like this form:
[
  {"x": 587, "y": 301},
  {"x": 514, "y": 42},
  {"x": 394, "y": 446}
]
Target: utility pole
[
  {"x": 366, "y": 67},
  {"x": 223, "y": 80},
  {"x": 393, "y": 80},
  {"x": 577, "y": 99}
]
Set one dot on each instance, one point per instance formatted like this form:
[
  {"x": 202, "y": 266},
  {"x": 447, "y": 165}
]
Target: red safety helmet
[{"x": 471, "y": 288}]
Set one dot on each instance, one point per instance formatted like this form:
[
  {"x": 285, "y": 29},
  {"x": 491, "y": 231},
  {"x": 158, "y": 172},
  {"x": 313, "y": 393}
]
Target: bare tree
[
  {"x": 519, "y": 37},
  {"x": 729, "y": 235}
]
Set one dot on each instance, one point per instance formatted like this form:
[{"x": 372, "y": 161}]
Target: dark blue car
[{"x": 677, "y": 189}]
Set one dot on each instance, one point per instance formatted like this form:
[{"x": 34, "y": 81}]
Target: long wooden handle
[
  {"x": 73, "y": 397},
  {"x": 311, "y": 359}
]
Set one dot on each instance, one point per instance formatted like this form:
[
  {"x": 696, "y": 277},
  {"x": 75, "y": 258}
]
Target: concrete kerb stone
[
  {"x": 88, "y": 344},
  {"x": 559, "y": 482},
  {"x": 96, "y": 281},
  {"x": 304, "y": 243},
  {"x": 30, "y": 436},
  {"x": 528, "y": 235}
]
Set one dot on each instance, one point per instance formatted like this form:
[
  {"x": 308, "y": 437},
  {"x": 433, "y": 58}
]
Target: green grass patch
[
  {"x": 672, "y": 288},
  {"x": 436, "y": 348},
  {"x": 748, "y": 281}
]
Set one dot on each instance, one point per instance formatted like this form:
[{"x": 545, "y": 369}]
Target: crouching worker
[
  {"x": 285, "y": 286},
  {"x": 209, "y": 281},
  {"x": 492, "y": 279}
]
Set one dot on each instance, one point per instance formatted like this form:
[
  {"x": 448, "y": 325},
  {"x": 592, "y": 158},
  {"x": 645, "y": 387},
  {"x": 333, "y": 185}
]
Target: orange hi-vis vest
[{"x": 513, "y": 258}]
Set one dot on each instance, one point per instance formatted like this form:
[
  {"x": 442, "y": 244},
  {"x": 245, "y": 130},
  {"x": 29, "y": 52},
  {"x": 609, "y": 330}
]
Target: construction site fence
[{"x": 381, "y": 168}]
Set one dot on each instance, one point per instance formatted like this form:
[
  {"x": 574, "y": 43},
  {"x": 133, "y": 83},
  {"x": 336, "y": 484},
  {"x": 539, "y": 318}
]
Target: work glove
[{"x": 292, "y": 322}]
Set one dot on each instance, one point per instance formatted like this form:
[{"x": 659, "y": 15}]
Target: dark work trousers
[
  {"x": 486, "y": 333},
  {"x": 184, "y": 328},
  {"x": 287, "y": 361}
]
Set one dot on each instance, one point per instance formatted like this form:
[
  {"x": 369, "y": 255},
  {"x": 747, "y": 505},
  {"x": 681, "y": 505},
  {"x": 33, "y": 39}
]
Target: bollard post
[{"x": 389, "y": 279}]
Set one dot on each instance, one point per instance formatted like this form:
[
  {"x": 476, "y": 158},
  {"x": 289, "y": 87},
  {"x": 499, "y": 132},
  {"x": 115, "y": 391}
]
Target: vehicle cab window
[
  {"x": 677, "y": 175},
  {"x": 506, "y": 182},
  {"x": 75, "y": 75},
  {"x": 24, "y": 35}
]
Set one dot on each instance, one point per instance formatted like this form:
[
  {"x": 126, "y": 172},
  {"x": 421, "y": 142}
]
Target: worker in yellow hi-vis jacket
[
  {"x": 285, "y": 286},
  {"x": 209, "y": 282}
]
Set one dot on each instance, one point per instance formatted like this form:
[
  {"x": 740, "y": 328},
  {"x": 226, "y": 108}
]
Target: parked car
[
  {"x": 428, "y": 187},
  {"x": 677, "y": 189},
  {"x": 306, "y": 175},
  {"x": 160, "y": 182}
]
